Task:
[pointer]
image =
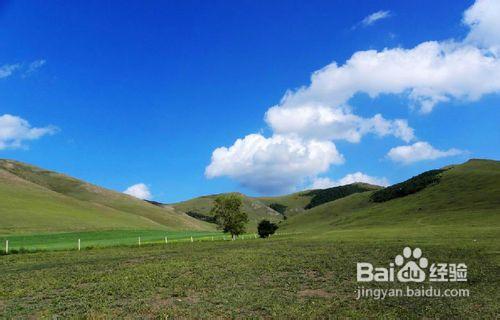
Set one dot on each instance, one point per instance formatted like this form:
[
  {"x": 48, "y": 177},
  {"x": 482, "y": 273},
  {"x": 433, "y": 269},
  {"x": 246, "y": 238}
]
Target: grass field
[
  {"x": 95, "y": 239},
  {"x": 310, "y": 274},
  {"x": 284, "y": 277}
]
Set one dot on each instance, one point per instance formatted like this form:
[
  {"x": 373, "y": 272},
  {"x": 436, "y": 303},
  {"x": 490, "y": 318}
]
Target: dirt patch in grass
[
  {"x": 314, "y": 293},
  {"x": 162, "y": 301}
]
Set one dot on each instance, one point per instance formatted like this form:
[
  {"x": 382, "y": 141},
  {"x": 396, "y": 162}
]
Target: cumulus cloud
[
  {"x": 14, "y": 131},
  {"x": 139, "y": 190},
  {"x": 428, "y": 74},
  {"x": 320, "y": 122},
  {"x": 483, "y": 18},
  {"x": 274, "y": 164},
  {"x": 374, "y": 17},
  {"x": 324, "y": 182},
  {"x": 419, "y": 151},
  {"x": 7, "y": 69}
]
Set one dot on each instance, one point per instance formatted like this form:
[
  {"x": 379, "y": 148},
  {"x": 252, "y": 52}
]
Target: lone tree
[
  {"x": 266, "y": 228},
  {"x": 228, "y": 214}
]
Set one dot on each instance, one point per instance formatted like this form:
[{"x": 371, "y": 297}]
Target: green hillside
[
  {"x": 298, "y": 202},
  {"x": 255, "y": 209},
  {"x": 37, "y": 200},
  {"x": 294, "y": 202},
  {"x": 466, "y": 196}
]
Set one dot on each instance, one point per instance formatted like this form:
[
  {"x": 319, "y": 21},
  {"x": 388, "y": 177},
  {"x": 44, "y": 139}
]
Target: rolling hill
[
  {"x": 298, "y": 202},
  {"x": 465, "y": 195},
  {"x": 37, "y": 200},
  {"x": 255, "y": 209}
]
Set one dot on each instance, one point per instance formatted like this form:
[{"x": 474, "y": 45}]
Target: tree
[
  {"x": 228, "y": 214},
  {"x": 266, "y": 228}
]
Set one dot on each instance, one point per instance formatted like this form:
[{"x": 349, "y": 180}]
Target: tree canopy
[
  {"x": 228, "y": 214},
  {"x": 266, "y": 228}
]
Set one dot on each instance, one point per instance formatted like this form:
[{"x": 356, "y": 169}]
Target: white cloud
[
  {"x": 15, "y": 130},
  {"x": 139, "y": 190},
  {"x": 274, "y": 164},
  {"x": 483, "y": 18},
  {"x": 35, "y": 65},
  {"x": 374, "y": 17},
  {"x": 419, "y": 151},
  {"x": 319, "y": 122},
  {"x": 7, "y": 69},
  {"x": 25, "y": 69},
  {"x": 323, "y": 183},
  {"x": 430, "y": 73}
]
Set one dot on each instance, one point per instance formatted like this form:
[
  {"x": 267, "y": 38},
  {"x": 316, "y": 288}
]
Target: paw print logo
[{"x": 411, "y": 271}]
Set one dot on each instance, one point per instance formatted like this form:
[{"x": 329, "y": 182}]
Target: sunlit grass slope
[
  {"x": 466, "y": 198},
  {"x": 36, "y": 200}
]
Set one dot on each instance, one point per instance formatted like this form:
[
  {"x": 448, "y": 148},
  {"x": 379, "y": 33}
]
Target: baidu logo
[
  {"x": 412, "y": 270},
  {"x": 411, "y": 266}
]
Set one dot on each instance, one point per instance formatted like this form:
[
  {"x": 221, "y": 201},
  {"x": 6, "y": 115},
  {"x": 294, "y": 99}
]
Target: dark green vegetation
[
  {"x": 410, "y": 186},
  {"x": 201, "y": 217},
  {"x": 34, "y": 200},
  {"x": 310, "y": 274},
  {"x": 320, "y": 197},
  {"x": 278, "y": 207},
  {"x": 266, "y": 228},
  {"x": 228, "y": 214}
]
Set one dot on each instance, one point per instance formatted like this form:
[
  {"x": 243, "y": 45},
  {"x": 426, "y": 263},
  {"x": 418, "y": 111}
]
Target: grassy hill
[
  {"x": 256, "y": 209},
  {"x": 298, "y": 202},
  {"x": 466, "y": 196},
  {"x": 294, "y": 202},
  {"x": 310, "y": 274},
  {"x": 37, "y": 200}
]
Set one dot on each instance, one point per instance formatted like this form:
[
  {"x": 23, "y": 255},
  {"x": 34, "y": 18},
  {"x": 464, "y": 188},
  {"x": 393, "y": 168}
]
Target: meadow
[
  {"x": 99, "y": 239},
  {"x": 299, "y": 276},
  {"x": 308, "y": 271}
]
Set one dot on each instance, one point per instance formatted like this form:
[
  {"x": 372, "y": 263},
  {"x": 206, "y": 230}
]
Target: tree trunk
[{"x": 234, "y": 237}]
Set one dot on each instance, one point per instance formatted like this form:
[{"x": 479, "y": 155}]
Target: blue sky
[{"x": 145, "y": 92}]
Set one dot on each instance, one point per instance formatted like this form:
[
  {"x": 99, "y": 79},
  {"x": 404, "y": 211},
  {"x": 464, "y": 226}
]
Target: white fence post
[
  {"x": 212, "y": 238},
  {"x": 166, "y": 240},
  {"x": 191, "y": 239},
  {"x": 139, "y": 241},
  {"x": 79, "y": 247},
  {"x": 6, "y": 246}
]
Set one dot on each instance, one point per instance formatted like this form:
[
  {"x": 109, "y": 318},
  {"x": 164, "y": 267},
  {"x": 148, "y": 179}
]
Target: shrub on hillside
[
  {"x": 331, "y": 194},
  {"x": 266, "y": 228},
  {"x": 408, "y": 187},
  {"x": 201, "y": 216},
  {"x": 278, "y": 207}
]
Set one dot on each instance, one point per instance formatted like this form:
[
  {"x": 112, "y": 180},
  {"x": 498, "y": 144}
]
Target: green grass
[
  {"x": 467, "y": 195},
  {"x": 95, "y": 239},
  {"x": 294, "y": 202},
  {"x": 34, "y": 200},
  {"x": 283, "y": 277},
  {"x": 310, "y": 274}
]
